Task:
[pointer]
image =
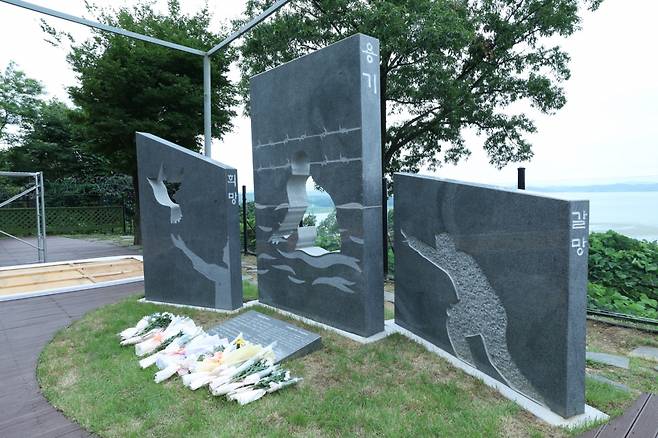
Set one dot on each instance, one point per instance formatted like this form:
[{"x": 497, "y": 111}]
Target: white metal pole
[
  {"x": 207, "y": 124},
  {"x": 37, "y": 200},
  {"x": 43, "y": 217},
  {"x": 247, "y": 27},
  {"x": 105, "y": 27}
]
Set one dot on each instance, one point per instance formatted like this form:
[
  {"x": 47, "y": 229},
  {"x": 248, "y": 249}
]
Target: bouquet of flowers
[
  {"x": 265, "y": 383},
  {"x": 171, "y": 345},
  {"x": 240, "y": 370},
  {"x": 179, "y": 360},
  {"x": 152, "y": 343},
  {"x": 145, "y": 328},
  {"x": 223, "y": 364}
]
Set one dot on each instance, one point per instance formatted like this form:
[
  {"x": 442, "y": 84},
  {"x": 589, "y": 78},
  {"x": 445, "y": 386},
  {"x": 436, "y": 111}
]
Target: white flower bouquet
[
  {"x": 240, "y": 370},
  {"x": 179, "y": 358},
  {"x": 177, "y": 325},
  {"x": 146, "y": 327},
  {"x": 259, "y": 384}
]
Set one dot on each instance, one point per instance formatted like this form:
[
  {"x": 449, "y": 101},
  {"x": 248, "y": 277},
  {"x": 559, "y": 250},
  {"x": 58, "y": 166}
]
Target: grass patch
[
  {"x": 389, "y": 388},
  {"x": 607, "y": 398},
  {"x": 640, "y": 377},
  {"x": 389, "y": 310},
  {"x": 249, "y": 291}
]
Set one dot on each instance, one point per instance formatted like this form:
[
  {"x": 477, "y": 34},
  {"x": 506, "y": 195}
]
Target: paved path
[
  {"x": 26, "y": 326},
  {"x": 13, "y": 252}
]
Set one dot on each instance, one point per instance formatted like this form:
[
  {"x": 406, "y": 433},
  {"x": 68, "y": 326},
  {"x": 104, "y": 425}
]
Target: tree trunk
[{"x": 137, "y": 239}]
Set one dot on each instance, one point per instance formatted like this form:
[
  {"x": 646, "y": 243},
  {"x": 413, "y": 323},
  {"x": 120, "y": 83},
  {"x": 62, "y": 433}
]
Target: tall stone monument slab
[
  {"x": 189, "y": 217},
  {"x": 497, "y": 278},
  {"x": 319, "y": 116}
]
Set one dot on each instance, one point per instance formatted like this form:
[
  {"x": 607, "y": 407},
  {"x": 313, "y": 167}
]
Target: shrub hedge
[{"x": 623, "y": 274}]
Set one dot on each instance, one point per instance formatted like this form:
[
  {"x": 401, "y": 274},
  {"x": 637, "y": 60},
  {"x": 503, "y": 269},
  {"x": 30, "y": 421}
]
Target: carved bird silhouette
[{"x": 162, "y": 196}]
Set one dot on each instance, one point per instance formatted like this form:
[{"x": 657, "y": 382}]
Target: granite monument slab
[
  {"x": 319, "y": 116},
  {"x": 189, "y": 217},
  {"x": 258, "y": 328},
  {"x": 498, "y": 279}
]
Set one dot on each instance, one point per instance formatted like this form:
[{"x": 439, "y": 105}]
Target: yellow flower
[{"x": 241, "y": 355}]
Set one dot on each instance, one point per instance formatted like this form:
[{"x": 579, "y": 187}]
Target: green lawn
[
  {"x": 641, "y": 377},
  {"x": 390, "y": 388},
  {"x": 249, "y": 291}
]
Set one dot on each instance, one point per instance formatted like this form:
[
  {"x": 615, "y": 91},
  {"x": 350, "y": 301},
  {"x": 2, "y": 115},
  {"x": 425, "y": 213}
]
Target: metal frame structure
[
  {"x": 40, "y": 210},
  {"x": 207, "y": 124}
]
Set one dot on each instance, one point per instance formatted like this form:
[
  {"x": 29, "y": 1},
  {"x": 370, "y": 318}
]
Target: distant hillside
[{"x": 621, "y": 187}]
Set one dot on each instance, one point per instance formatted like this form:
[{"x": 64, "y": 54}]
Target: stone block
[
  {"x": 608, "y": 359},
  {"x": 498, "y": 279},
  {"x": 189, "y": 217},
  {"x": 258, "y": 328},
  {"x": 318, "y": 116}
]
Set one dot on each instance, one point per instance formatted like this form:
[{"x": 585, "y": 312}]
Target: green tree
[
  {"x": 127, "y": 85},
  {"x": 53, "y": 144},
  {"x": 445, "y": 65},
  {"x": 20, "y": 99},
  {"x": 328, "y": 234}
]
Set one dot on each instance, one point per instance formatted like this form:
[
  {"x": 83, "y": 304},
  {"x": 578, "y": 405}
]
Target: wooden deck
[
  {"x": 38, "y": 278},
  {"x": 26, "y": 326},
  {"x": 640, "y": 421},
  {"x": 60, "y": 249}
]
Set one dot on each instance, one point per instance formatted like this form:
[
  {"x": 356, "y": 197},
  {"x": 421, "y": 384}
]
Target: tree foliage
[
  {"x": 100, "y": 190},
  {"x": 20, "y": 99},
  {"x": 126, "y": 85},
  {"x": 445, "y": 65},
  {"x": 328, "y": 234},
  {"x": 52, "y": 143}
]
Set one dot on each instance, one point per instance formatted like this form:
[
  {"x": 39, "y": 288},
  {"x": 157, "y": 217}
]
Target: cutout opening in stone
[
  {"x": 314, "y": 237},
  {"x": 172, "y": 188},
  {"x": 161, "y": 192},
  {"x": 319, "y": 227}
]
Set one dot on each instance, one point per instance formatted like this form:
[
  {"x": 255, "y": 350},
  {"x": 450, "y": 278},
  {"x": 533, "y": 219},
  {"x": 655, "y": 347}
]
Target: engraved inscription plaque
[{"x": 258, "y": 328}]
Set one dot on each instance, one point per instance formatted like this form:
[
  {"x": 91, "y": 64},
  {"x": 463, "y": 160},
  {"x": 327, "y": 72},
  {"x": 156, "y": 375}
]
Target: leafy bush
[
  {"x": 626, "y": 265},
  {"x": 309, "y": 220},
  {"x": 328, "y": 235},
  {"x": 604, "y": 298}
]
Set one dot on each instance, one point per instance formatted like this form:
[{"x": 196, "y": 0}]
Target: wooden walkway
[
  {"x": 640, "y": 421},
  {"x": 26, "y": 326},
  {"x": 13, "y": 252}
]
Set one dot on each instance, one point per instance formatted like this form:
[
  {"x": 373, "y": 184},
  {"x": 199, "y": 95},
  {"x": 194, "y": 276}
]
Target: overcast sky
[{"x": 607, "y": 132}]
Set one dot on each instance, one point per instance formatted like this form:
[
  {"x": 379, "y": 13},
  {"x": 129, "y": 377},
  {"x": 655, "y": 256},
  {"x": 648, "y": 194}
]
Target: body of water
[{"x": 634, "y": 214}]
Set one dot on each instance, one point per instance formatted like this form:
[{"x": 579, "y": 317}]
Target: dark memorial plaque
[
  {"x": 497, "y": 278},
  {"x": 257, "y": 328},
  {"x": 319, "y": 117}
]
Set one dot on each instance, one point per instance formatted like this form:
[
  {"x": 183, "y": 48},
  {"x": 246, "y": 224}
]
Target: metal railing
[{"x": 40, "y": 205}]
